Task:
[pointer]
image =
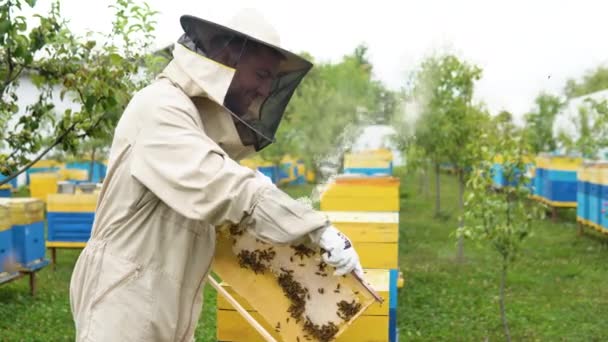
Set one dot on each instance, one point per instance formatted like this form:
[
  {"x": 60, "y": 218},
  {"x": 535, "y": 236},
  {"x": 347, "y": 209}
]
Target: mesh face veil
[{"x": 266, "y": 77}]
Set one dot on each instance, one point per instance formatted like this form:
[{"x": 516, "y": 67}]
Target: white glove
[{"x": 340, "y": 252}]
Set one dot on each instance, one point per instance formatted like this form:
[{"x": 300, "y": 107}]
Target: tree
[
  {"x": 99, "y": 79},
  {"x": 442, "y": 89},
  {"x": 539, "y": 123},
  {"x": 593, "y": 81},
  {"x": 422, "y": 112},
  {"x": 326, "y": 112},
  {"x": 502, "y": 219}
]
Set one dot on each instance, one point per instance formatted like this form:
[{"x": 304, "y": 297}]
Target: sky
[{"x": 523, "y": 47}]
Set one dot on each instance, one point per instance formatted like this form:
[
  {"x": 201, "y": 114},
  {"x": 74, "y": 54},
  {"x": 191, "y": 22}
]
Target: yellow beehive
[
  {"x": 24, "y": 210},
  {"x": 372, "y": 325},
  {"x": 5, "y": 218},
  {"x": 362, "y": 194},
  {"x": 265, "y": 291},
  {"x": 81, "y": 202},
  {"x": 565, "y": 163},
  {"x": 43, "y": 183},
  {"x": 375, "y": 235},
  {"x": 74, "y": 174},
  {"x": 47, "y": 164}
]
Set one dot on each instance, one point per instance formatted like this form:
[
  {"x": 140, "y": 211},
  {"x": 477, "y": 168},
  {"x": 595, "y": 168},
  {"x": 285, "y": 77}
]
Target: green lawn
[{"x": 558, "y": 291}]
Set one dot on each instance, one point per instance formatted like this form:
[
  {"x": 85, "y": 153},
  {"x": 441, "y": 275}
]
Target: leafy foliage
[
  {"x": 96, "y": 74},
  {"x": 539, "y": 123},
  {"x": 327, "y": 110}
]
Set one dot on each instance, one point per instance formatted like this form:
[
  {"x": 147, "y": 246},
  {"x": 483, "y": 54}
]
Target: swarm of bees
[
  {"x": 261, "y": 257},
  {"x": 302, "y": 251},
  {"x": 295, "y": 293},
  {"x": 322, "y": 333},
  {"x": 257, "y": 260},
  {"x": 346, "y": 310}
]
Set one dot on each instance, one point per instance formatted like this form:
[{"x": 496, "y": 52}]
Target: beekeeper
[{"x": 173, "y": 178}]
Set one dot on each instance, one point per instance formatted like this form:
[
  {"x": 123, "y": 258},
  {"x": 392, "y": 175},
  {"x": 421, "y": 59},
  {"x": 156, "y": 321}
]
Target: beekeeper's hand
[{"x": 339, "y": 252}]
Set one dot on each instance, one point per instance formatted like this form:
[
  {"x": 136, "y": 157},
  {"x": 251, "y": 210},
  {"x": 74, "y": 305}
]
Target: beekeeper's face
[{"x": 256, "y": 70}]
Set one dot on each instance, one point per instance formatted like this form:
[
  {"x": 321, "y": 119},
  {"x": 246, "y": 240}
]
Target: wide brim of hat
[{"x": 203, "y": 29}]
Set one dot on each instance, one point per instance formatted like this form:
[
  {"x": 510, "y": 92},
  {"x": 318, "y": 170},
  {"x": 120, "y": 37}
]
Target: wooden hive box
[{"x": 287, "y": 288}]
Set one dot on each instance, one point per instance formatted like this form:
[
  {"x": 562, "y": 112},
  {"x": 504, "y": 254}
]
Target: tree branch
[{"x": 40, "y": 156}]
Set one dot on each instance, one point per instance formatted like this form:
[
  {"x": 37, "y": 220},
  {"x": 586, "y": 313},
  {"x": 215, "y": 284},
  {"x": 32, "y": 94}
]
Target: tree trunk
[
  {"x": 92, "y": 167},
  {"x": 461, "y": 220},
  {"x": 437, "y": 191},
  {"x": 503, "y": 314},
  {"x": 427, "y": 181}
]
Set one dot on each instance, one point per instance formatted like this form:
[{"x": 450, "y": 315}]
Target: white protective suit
[{"x": 172, "y": 179}]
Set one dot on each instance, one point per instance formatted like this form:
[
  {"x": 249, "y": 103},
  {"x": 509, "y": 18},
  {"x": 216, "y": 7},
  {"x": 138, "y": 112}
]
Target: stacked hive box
[
  {"x": 371, "y": 162},
  {"x": 367, "y": 210},
  {"x": 6, "y": 238},
  {"x": 5, "y": 190},
  {"x": 292, "y": 171},
  {"x": 70, "y": 217},
  {"x": 556, "y": 180},
  {"x": 582, "y": 195},
  {"x": 604, "y": 198},
  {"x": 43, "y": 183},
  {"x": 592, "y": 199},
  {"x": 43, "y": 166},
  {"x": 499, "y": 179},
  {"x": 27, "y": 220},
  {"x": 98, "y": 170}
]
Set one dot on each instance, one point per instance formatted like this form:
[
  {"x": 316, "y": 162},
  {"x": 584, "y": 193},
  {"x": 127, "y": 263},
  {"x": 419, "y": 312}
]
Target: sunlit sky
[{"x": 524, "y": 47}]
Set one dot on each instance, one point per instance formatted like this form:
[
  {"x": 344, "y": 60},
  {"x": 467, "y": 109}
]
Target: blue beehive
[
  {"x": 582, "y": 197},
  {"x": 560, "y": 186},
  {"x": 99, "y": 169},
  {"x": 5, "y": 190},
  {"x": 27, "y": 219},
  {"x": 604, "y": 207},
  {"x": 497, "y": 175},
  {"x": 270, "y": 171},
  {"x": 6, "y": 236},
  {"x": 70, "y": 227},
  {"x": 594, "y": 196},
  {"x": 28, "y": 241},
  {"x": 71, "y": 217},
  {"x": 392, "y": 309}
]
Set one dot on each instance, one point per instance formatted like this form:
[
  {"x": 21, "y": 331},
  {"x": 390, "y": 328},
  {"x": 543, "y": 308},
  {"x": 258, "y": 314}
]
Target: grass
[{"x": 557, "y": 290}]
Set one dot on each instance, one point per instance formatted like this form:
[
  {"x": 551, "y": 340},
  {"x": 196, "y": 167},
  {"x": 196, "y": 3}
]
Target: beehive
[
  {"x": 559, "y": 182},
  {"x": 42, "y": 184},
  {"x": 582, "y": 197},
  {"x": 603, "y": 198},
  {"x": 266, "y": 276},
  {"x": 371, "y": 162},
  {"x": 24, "y": 210},
  {"x": 6, "y": 237},
  {"x": 375, "y": 235},
  {"x": 71, "y": 216},
  {"x": 362, "y": 194},
  {"x": 27, "y": 220}
]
